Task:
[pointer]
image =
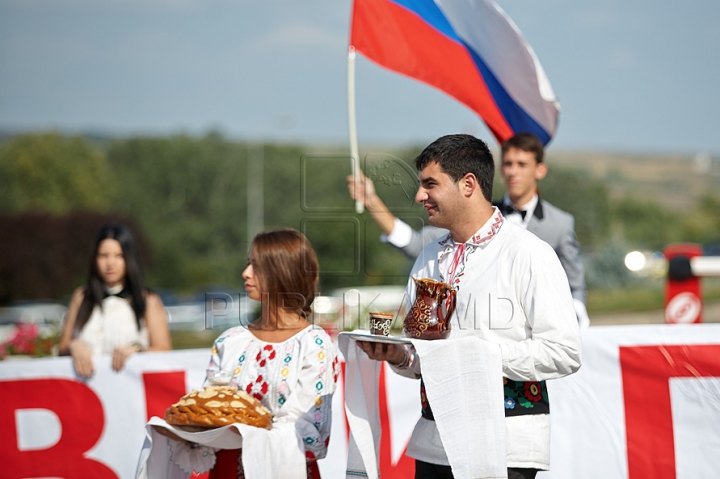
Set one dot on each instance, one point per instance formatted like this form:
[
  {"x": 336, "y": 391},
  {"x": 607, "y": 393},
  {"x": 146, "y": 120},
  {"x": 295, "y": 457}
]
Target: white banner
[{"x": 646, "y": 403}]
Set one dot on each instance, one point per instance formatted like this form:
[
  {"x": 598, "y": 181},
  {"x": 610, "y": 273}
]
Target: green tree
[
  {"x": 189, "y": 196},
  {"x": 586, "y": 199},
  {"x": 646, "y": 224},
  {"x": 308, "y": 191},
  {"x": 49, "y": 173},
  {"x": 702, "y": 224}
]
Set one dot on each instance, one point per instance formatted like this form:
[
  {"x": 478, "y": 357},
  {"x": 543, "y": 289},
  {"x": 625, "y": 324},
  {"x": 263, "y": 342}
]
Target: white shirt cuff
[{"x": 400, "y": 236}]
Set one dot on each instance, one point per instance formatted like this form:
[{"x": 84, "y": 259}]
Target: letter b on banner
[{"x": 82, "y": 420}]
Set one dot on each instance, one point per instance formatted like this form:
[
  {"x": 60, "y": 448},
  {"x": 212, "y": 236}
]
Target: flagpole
[{"x": 355, "y": 156}]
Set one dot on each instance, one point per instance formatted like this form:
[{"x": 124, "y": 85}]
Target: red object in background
[
  {"x": 82, "y": 420},
  {"x": 405, "y": 467},
  {"x": 683, "y": 299},
  {"x": 161, "y": 390},
  {"x": 646, "y": 373}
]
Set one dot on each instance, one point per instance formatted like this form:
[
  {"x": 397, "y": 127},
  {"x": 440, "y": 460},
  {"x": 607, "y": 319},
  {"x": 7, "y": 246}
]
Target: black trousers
[{"x": 425, "y": 470}]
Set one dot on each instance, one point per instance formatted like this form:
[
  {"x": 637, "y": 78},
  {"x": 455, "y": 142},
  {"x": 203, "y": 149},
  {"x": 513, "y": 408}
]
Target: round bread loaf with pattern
[{"x": 217, "y": 406}]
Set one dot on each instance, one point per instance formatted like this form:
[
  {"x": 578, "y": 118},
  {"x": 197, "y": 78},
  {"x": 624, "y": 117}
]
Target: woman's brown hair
[{"x": 287, "y": 268}]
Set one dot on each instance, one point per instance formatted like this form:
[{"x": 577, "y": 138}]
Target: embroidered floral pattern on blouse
[
  {"x": 319, "y": 411},
  {"x": 274, "y": 372},
  {"x": 257, "y": 388},
  {"x": 264, "y": 355},
  {"x": 284, "y": 372},
  {"x": 238, "y": 369}
]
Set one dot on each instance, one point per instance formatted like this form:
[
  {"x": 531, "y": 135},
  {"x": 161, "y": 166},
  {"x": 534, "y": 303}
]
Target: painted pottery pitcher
[{"x": 429, "y": 317}]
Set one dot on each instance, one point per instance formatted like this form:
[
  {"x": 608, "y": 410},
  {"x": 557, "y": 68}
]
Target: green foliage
[
  {"x": 52, "y": 174},
  {"x": 605, "y": 267},
  {"x": 188, "y": 197},
  {"x": 645, "y": 224},
  {"x": 702, "y": 225},
  {"x": 645, "y": 297},
  {"x": 193, "y": 339},
  {"x": 574, "y": 191},
  {"x": 586, "y": 199}
]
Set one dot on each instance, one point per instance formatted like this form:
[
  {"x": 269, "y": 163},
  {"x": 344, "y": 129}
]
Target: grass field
[
  {"x": 624, "y": 300},
  {"x": 193, "y": 339}
]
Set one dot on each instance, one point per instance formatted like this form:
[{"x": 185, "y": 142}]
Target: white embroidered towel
[
  {"x": 469, "y": 410},
  {"x": 463, "y": 383},
  {"x": 362, "y": 375},
  {"x": 266, "y": 454},
  {"x": 275, "y": 454}
]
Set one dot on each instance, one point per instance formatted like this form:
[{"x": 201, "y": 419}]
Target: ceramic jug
[{"x": 429, "y": 317}]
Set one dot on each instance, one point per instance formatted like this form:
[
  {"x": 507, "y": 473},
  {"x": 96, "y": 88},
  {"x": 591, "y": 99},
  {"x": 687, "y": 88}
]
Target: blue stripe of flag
[
  {"x": 514, "y": 114},
  {"x": 431, "y": 14}
]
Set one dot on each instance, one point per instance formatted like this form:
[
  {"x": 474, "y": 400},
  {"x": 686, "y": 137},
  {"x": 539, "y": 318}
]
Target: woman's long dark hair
[{"x": 134, "y": 287}]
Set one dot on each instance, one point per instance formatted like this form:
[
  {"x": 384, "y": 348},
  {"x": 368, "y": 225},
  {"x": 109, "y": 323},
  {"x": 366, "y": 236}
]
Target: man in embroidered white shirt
[
  {"x": 521, "y": 166},
  {"x": 511, "y": 291}
]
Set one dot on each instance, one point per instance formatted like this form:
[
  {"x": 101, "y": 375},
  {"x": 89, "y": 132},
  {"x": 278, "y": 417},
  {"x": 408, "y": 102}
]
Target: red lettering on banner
[
  {"x": 161, "y": 390},
  {"x": 646, "y": 371},
  {"x": 405, "y": 467},
  {"x": 81, "y": 418}
]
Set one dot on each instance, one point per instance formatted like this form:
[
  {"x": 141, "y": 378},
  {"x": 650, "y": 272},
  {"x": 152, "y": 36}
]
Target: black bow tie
[
  {"x": 123, "y": 293},
  {"x": 509, "y": 209}
]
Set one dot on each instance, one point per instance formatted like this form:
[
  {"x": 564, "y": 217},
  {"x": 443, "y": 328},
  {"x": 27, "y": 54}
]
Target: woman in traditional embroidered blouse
[
  {"x": 113, "y": 314},
  {"x": 282, "y": 359}
]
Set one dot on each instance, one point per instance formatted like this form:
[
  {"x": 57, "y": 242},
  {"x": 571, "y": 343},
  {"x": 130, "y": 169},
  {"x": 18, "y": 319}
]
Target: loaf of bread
[{"x": 217, "y": 406}]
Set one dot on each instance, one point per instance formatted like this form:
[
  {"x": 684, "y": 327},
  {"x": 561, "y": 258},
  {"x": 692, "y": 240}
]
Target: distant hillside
[{"x": 674, "y": 181}]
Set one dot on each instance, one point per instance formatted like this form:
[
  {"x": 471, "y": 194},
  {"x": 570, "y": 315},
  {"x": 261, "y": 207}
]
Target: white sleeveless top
[{"x": 112, "y": 326}]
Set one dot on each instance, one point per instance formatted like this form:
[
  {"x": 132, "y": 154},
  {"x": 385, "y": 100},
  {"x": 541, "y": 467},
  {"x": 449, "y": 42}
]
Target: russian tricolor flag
[{"x": 469, "y": 49}]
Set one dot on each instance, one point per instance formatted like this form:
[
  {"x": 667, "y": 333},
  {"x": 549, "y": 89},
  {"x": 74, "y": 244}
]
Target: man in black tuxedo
[{"x": 522, "y": 166}]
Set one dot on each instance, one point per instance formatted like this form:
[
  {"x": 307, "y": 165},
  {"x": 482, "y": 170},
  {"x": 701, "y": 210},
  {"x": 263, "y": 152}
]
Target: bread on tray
[{"x": 217, "y": 406}]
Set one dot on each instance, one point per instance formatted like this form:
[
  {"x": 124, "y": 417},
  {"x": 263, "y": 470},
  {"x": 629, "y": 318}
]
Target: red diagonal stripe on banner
[{"x": 405, "y": 467}]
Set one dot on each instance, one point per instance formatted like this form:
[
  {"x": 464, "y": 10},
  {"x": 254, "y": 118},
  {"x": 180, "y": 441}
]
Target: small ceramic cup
[{"x": 380, "y": 323}]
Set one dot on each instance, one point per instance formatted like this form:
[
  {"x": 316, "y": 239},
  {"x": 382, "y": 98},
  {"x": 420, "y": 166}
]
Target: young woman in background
[{"x": 113, "y": 313}]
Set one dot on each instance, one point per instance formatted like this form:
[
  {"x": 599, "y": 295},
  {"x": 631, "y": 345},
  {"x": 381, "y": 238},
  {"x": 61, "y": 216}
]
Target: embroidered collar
[
  {"x": 489, "y": 229},
  {"x": 483, "y": 235},
  {"x": 452, "y": 256}
]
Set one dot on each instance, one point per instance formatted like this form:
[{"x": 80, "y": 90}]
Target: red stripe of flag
[{"x": 399, "y": 40}]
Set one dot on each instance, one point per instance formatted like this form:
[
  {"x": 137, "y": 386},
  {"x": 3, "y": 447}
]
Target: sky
[{"x": 632, "y": 76}]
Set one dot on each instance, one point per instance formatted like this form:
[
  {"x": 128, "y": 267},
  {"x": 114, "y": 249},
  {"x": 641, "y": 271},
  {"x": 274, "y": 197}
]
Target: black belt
[{"x": 522, "y": 398}]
